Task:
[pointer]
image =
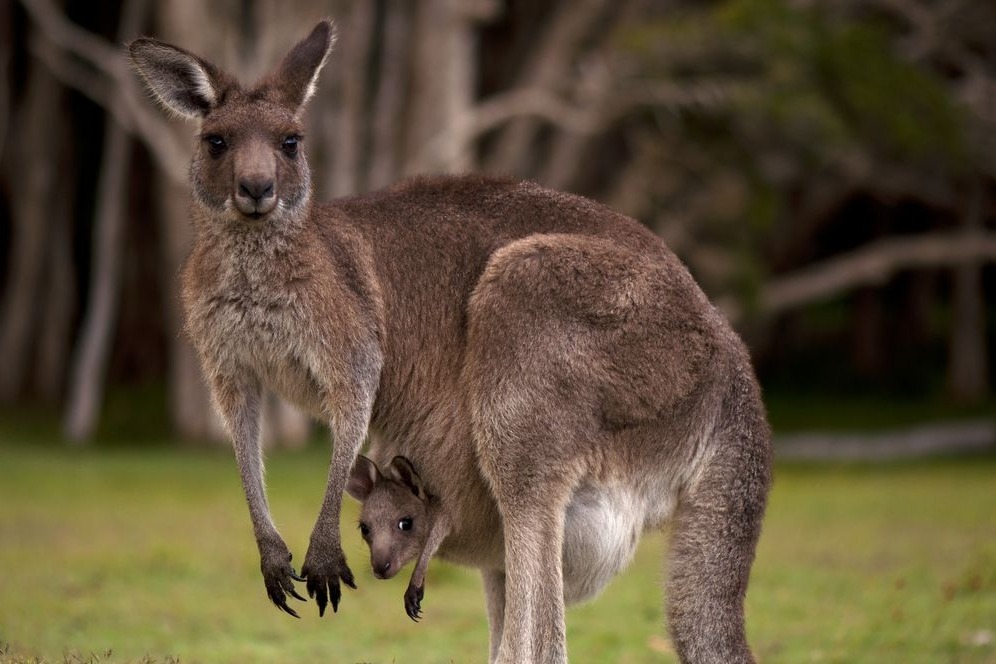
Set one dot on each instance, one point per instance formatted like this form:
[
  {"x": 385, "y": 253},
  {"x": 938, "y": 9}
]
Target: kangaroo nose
[
  {"x": 382, "y": 569},
  {"x": 256, "y": 188}
]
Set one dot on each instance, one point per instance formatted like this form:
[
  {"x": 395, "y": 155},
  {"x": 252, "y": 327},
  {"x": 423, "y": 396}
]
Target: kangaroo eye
[
  {"x": 364, "y": 530},
  {"x": 290, "y": 144},
  {"x": 405, "y": 524},
  {"x": 216, "y": 144}
]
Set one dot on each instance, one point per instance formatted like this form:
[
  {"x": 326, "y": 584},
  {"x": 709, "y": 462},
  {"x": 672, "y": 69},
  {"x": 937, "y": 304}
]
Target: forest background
[{"x": 826, "y": 169}]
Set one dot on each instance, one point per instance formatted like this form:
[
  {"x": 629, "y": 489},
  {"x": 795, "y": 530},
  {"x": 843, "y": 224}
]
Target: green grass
[{"x": 124, "y": 555}]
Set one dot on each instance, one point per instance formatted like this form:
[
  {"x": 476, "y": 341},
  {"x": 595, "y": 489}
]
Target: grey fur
[{"x": 540, "y": 358}]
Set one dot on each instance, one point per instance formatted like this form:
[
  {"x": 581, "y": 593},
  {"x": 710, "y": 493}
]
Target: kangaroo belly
[{"x": 602, "y": 527}]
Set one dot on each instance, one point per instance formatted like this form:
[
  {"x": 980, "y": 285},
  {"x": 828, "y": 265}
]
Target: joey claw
[
  {"x": 320, "y": 594},
  {"x": 335, "y": 594},
  {"x": 347, "y": 578},
  {"x": 413, "y": 602},
  {"x": 289, "y": 610}
]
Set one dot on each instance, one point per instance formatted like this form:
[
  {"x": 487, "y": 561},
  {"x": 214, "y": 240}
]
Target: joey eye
[
  {"x": 364, "y": 530},
  {"x": 405, "y": 524},
  {"x": 216, "y": 144},
  {"x": 290, "y": 145}
]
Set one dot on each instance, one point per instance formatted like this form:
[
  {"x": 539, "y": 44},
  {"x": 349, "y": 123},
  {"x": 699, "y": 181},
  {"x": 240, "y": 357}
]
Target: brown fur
[{"x": 526, "y": 349}]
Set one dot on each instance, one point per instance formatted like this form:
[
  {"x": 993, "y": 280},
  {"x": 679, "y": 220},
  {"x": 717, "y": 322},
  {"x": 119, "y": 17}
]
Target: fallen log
[{"x": 922, "y": 441}]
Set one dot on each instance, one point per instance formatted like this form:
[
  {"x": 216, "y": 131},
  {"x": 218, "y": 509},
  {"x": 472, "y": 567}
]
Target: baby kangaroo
[{"x": 399, "y": 522}]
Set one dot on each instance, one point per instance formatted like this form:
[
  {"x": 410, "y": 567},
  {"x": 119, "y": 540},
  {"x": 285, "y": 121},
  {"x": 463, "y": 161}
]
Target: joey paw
[{"x": 413, "y": 602}]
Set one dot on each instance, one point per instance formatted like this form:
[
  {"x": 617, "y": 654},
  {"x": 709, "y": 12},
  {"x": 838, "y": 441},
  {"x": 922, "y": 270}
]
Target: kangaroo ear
[
  {"x": 181, "y": 81},
  {"x": 297, "y": 75},
  {"x": 362, "y": 478},
  {"x": 402, "y": 470}
]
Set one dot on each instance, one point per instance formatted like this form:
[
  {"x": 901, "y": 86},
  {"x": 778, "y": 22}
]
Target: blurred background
[{"x": 826, "y": 169}]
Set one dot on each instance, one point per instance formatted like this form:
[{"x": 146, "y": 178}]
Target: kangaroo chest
[{"x": 241, "y": 325}]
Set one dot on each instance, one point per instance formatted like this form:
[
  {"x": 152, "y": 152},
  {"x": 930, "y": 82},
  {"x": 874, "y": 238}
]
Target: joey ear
[
  {"x": 181, "y": 81},
  {"x": 297, "y": 75},
  {"x": 362, "y": 478},
  {"x": 402, "y": 470}
]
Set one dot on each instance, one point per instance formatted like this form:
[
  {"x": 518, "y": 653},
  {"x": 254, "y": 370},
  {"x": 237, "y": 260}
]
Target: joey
[{"x": 399, "y": 521}]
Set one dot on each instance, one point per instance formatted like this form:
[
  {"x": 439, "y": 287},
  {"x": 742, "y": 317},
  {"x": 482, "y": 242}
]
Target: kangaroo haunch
[{"x": 544, "y": 360}]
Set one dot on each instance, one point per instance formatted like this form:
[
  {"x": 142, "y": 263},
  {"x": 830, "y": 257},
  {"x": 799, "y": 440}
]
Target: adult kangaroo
[{"x": 551, "y": 345}]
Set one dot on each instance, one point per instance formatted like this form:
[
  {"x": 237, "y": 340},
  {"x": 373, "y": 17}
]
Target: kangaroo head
[
  {"x": 394, "y": 519},
  {"x": 249, "y": 166}
]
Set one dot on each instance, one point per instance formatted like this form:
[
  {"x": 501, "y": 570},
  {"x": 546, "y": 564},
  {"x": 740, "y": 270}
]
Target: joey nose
[
  {"x": 381, "y": 570},
  {"x": 256, "y": 188}
]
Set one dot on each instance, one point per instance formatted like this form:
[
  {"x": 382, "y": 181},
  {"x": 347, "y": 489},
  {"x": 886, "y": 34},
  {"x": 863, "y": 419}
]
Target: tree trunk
[
  {"x": 565, "y": 160},
  {"x": 546, "y": 68},
  {"x": 86, "y": 387},
  {"x": 389, "y": 98},
  {"x": 55, "y": 336},
  {"x": 866, "y": 346},
  {"x": 349, "y": 125},
  {"x": 32, "y": 167},
  {"x": 6, "y": 78},
  {"x": 442, "y": 87},
  {"x": 968, "y": 354}
]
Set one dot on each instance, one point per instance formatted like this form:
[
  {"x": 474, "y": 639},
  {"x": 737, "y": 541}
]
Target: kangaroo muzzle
[{"x": 255, "y": 182}]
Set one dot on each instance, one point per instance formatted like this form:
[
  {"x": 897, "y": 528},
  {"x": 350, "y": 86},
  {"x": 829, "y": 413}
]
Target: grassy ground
[{"x": 126, "y": 555}]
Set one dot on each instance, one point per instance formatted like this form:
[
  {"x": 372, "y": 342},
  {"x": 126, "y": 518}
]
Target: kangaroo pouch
[{"x": 602, "y": 527}]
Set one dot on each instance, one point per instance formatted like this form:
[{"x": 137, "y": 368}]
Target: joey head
[{"x": 399, "y": 521}]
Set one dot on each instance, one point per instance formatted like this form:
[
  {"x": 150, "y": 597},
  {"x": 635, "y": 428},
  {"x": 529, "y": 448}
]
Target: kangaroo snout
[
  {"x": 255, "y": 171},
  {"x": 256, "y": 188},
  {"x": 255, "y": 196}
]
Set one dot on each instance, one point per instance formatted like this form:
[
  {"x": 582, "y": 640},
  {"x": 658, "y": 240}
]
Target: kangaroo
[
  {"x": 531, "y": 344},
  {"x": 399, "y": 522}
]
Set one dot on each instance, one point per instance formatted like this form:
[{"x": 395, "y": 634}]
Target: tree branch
[
  {"x": 110, "y": 85},
  {"x": 870, "y": 265},
  {"x": 56, "y": 27},
  {"x": 550, "y": 107},
  {"x": 545, "y": 67}
]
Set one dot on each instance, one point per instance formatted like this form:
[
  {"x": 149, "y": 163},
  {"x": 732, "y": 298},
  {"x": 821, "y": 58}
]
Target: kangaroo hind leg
[
  {"x": 534, "y": 628},
  {"x": 714, "y": 533}
]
